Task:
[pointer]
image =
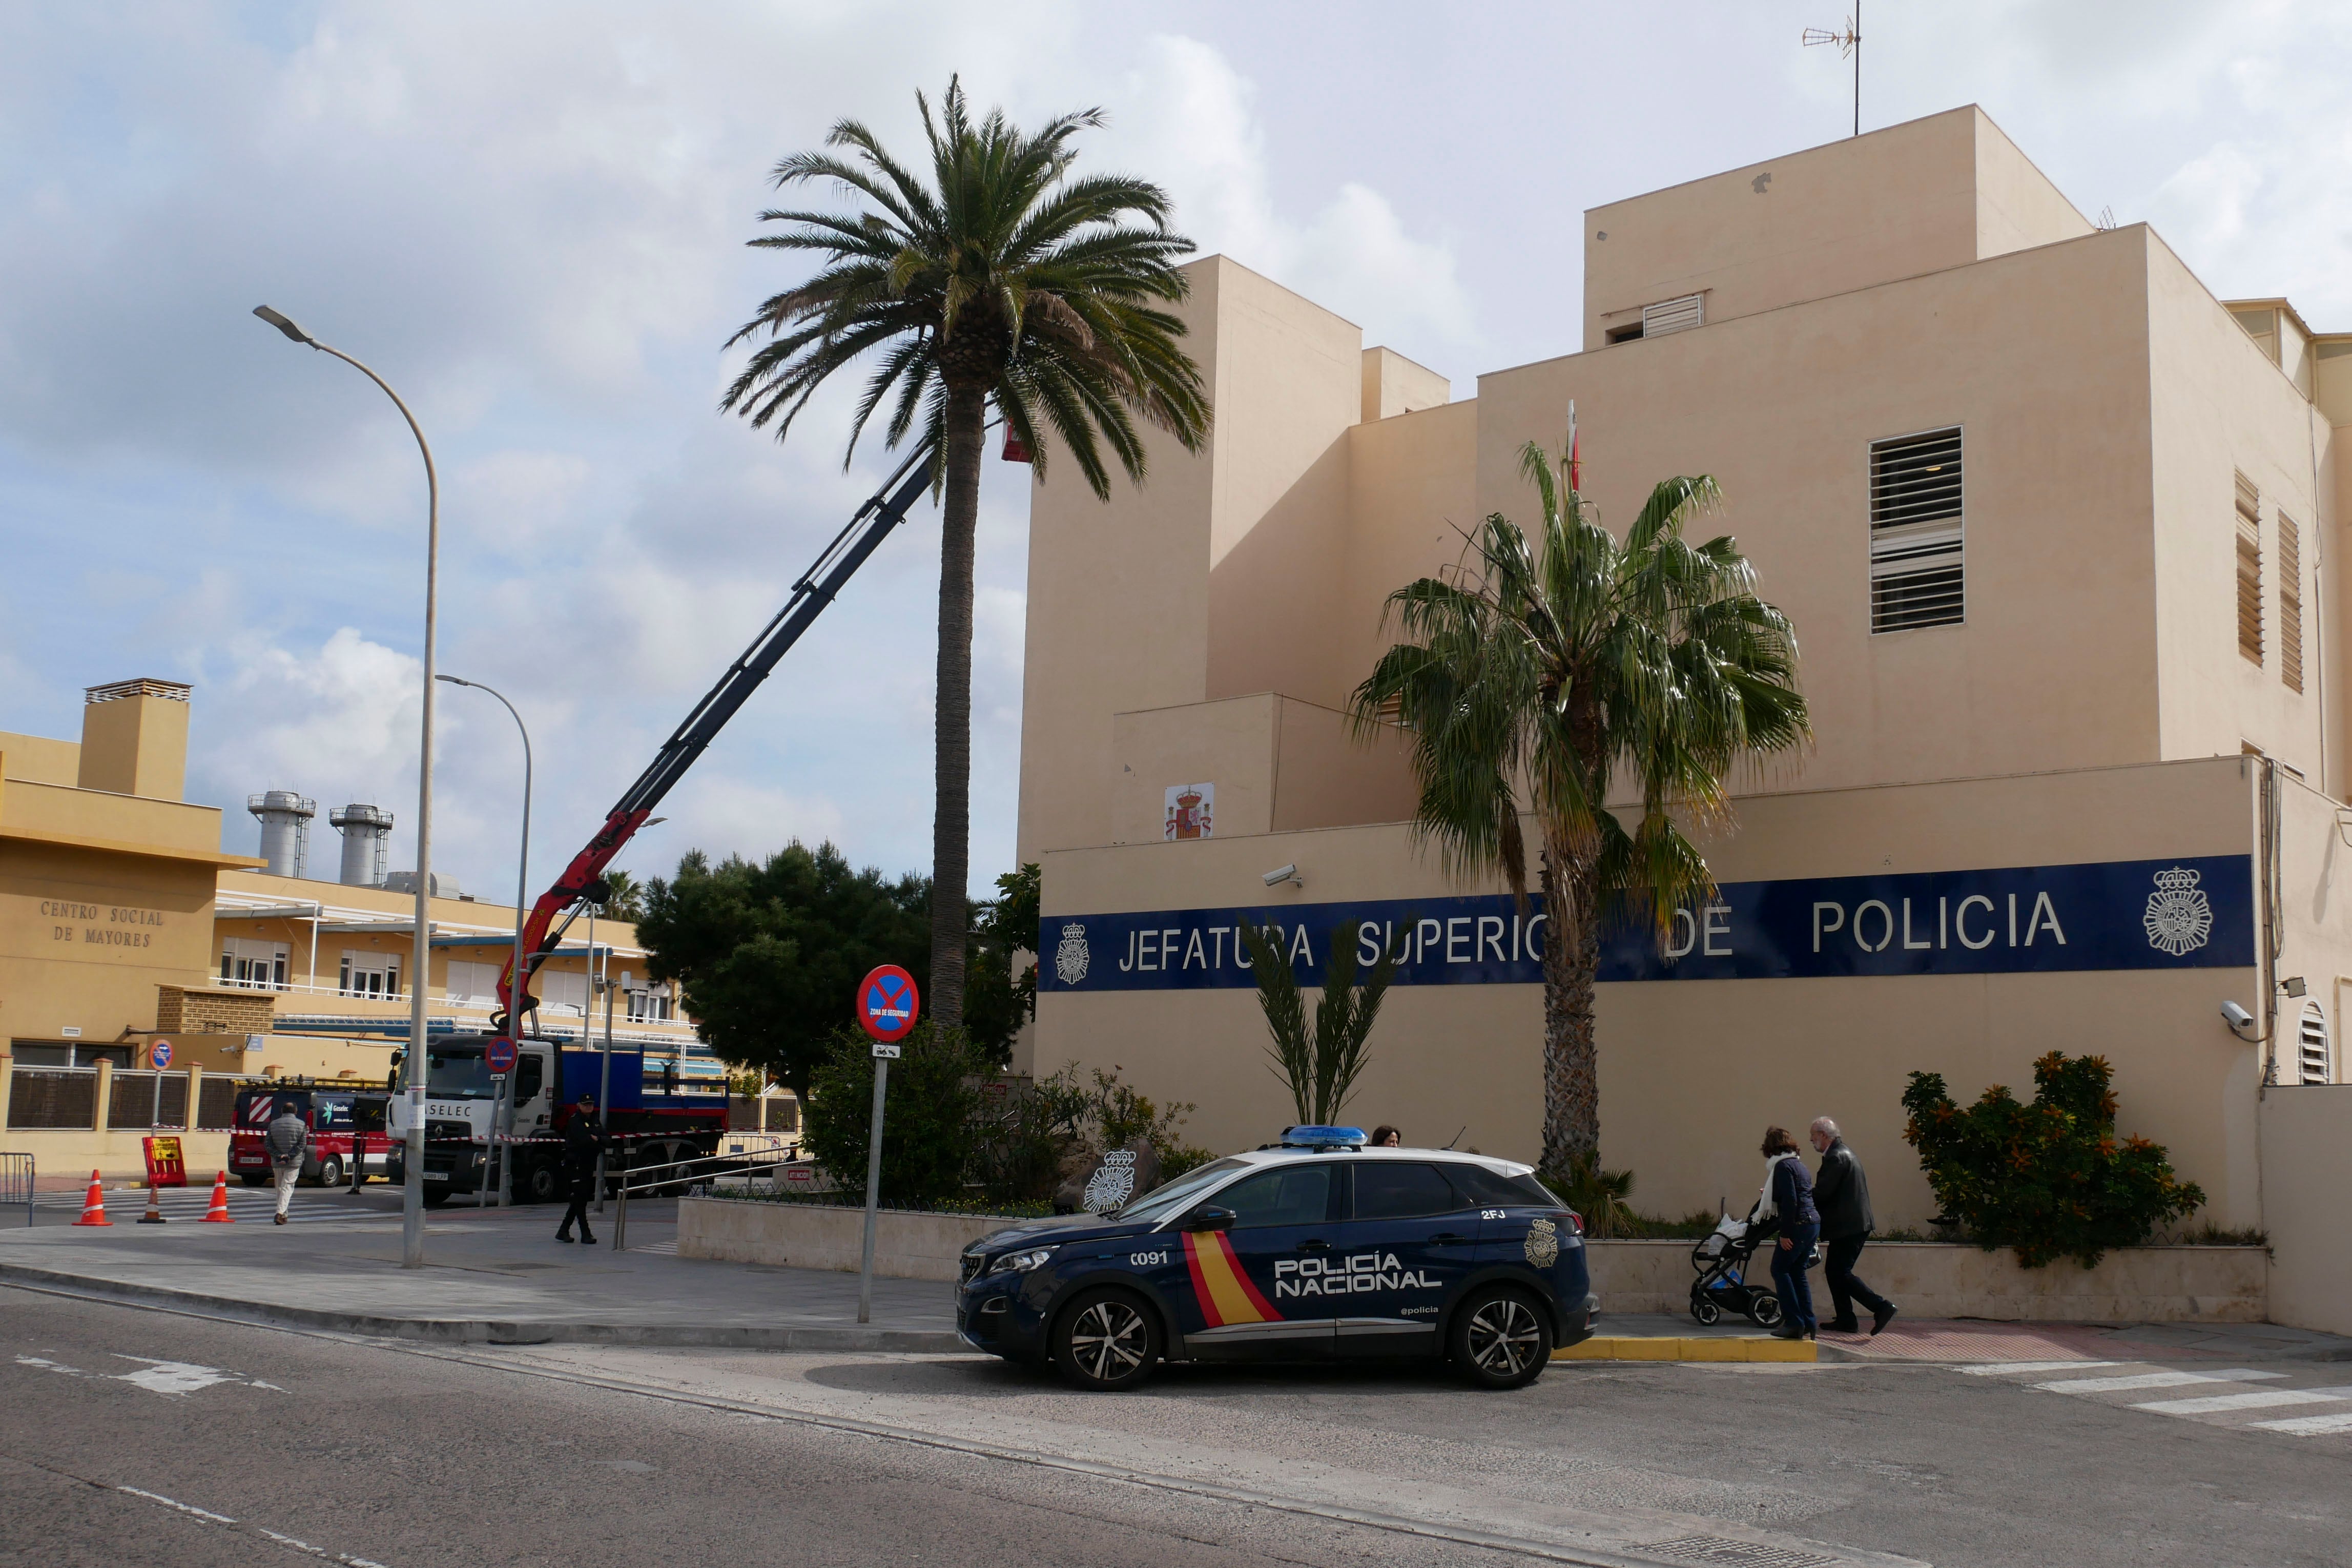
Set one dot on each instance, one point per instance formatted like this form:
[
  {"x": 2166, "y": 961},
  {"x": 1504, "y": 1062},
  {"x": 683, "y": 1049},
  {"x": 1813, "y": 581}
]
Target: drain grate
[{"x": 1739, "y": 1553}]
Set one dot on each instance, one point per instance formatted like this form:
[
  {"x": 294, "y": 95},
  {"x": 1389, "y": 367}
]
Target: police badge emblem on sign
[
  {"x": 1070, "y": 958},
  {"x": 1543, "y": 1244}
]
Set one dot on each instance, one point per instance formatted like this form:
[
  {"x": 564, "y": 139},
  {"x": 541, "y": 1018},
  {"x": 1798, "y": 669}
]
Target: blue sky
[{"x": 530, "y": 219}]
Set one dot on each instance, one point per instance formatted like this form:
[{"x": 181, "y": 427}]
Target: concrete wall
[
  {"x": 35, "y": 759},
  {"x": 2306, "y": 1178},
  {"x": 1693, "y": 1070},
  {"x": 812, "y": 1235},
  {"x": 135, "y": 745}
]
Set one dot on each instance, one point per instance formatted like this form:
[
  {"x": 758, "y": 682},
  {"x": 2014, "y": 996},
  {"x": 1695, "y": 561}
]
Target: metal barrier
[
  {"x": 48, "y": 1098},
  {"x": 16, "y": 1182},
  {"x": 745, "y": 1162}
]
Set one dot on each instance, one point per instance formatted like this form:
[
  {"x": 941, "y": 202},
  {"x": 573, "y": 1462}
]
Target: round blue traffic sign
[
  {"x": 161, "y": 1054},
  {"x": 501, "y": 1054},
  {"x": 886, "y": 1003}
]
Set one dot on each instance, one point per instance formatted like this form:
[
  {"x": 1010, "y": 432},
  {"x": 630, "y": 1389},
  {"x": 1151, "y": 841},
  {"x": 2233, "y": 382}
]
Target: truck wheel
[
  {"x": 540, "y": 1186},
  {"x": 1498, "y": 1338},
  {"x": 250, "y": 1180},
  {"x": 330, "y": 1170},
  {"x": 1106, "y": 1341}
]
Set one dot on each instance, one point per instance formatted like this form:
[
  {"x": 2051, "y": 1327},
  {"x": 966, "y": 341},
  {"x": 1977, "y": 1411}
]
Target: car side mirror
[{"x": 1210, "y": 1219}]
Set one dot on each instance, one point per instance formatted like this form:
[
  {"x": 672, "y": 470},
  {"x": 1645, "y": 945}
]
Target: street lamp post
[
  {"x": 521, "y": 981},
  {"x": 411, "y": 1218}
]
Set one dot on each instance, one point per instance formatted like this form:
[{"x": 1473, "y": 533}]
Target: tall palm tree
[
  {"x": 1546, "y": 666},
  {"x": 1000, "y": 285}
]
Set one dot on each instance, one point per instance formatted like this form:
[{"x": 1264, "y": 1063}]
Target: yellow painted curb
[{"x": 1741, "y": 1348}]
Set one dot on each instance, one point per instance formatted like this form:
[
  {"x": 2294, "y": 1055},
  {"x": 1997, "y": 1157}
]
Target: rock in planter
[{"x": 1110, "y": 1179}]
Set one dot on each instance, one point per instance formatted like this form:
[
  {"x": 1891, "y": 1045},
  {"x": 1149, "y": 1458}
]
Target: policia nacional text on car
[{"x": 1313, "y": 1247}]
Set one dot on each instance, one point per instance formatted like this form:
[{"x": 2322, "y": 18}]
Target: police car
[{"x": 1312, "y": 1248}]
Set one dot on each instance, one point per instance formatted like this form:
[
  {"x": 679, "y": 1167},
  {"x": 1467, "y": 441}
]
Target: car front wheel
[
  {"x": 1499, "y": 1338},
  {"x": 1106, "y": 1341}
]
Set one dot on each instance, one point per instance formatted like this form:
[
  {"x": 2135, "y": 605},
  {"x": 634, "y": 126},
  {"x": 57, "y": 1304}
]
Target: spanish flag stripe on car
[{"x": 1220, "y": 1285}]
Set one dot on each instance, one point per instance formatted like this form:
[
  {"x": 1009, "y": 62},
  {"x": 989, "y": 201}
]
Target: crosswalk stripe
[
  {"x": 2004, "y": 1368},
  {"x": 2150, "y": 1380},
  {"x": 2212, "y": 1403},
  {"x": 2308, "y": 1426}
]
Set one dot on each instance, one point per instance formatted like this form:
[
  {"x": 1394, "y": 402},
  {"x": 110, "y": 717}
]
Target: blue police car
[{"x": 1312, "y": 1248}]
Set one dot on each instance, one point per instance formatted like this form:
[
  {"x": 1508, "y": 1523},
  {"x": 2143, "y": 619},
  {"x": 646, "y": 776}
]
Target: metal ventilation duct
[{"x": 367, "y": 837}]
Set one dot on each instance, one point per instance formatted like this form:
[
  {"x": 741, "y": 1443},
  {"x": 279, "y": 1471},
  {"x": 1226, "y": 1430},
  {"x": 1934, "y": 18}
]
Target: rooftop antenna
[{"x": 1849, "y": 45}]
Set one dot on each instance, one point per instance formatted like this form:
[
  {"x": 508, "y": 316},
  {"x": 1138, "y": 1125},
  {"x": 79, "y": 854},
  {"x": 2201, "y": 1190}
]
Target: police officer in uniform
[{"x": 584, "y": 1140}]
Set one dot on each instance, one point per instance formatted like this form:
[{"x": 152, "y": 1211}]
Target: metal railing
[
  {"x": 16, "y": 1183},
  {"x": 745, "y": 1162},
  {"x": 46, "y": 1097}
]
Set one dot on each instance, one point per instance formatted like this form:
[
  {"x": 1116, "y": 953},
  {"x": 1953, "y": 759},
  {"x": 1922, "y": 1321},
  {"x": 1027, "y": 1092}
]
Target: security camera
[
  {"x": 1281, "y": 874},
  {"x": 2237, "y": 1017}
]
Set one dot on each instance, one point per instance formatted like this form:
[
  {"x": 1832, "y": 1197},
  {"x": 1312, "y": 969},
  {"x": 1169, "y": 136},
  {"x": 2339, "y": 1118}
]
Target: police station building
[{"x": 2055, "y": 527}]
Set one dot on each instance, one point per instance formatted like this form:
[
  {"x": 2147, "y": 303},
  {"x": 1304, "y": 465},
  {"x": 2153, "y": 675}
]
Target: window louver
[
  {"x": 2311, "y": 1041},
  {"x": 2290, "y": 566},
  {"x": 2249, "y": 569},
  {"x": 1674, "y": 315},
  {"x": 1916, "y": 559}
]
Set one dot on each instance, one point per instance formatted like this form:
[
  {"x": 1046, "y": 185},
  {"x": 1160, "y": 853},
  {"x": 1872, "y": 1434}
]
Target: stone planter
[
  {"x": 1931, "y": 1280},
  {"x": 907, "y": 1246}
]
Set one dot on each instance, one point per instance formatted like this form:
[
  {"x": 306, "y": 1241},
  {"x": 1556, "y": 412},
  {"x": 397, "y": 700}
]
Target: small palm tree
[
  {"x": 1546, "y": 665},
  {"x": 1001, "y": 285},
  {"x": 1319, "y": 1061}
]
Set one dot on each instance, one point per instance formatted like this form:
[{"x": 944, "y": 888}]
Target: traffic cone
[
  {"x": 154, "y": 1214},
  {"x": 218, "y": 1213},
  {"x": 93, "y": 1207}
]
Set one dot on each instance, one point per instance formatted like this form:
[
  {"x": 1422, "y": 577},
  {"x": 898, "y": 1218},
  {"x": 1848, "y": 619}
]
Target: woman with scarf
[{"x": 1788, "y": 1204}]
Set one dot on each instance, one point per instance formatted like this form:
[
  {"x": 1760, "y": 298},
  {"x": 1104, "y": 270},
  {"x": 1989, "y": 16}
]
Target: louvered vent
[
  {"x": 1915, "y": 532},
  {"x": 1674, "y": 315},
  {"x": 2289, "y": 563},
  {"x": 2249, "y": 569},
  {"x": 2311, "y": 1046}
]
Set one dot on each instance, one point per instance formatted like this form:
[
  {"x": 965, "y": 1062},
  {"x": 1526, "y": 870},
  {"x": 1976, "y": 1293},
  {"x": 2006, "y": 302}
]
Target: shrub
[
  {"x": 926, "y": 1124},
  {"x": 2049, "y": 1179},
  {"x": 1598, "y": 1196}
]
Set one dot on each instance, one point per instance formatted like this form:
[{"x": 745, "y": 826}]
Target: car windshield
[
  {"x": 1168, "y": 1197},
  {"x": 458, "y": 1073}
]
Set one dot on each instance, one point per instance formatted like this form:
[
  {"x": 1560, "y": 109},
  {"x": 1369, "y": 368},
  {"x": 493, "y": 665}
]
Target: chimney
[
  {"x": 285, "y": 829},
  {"x": 134, "y": 739},
  {"x": 367, "y": 831}
]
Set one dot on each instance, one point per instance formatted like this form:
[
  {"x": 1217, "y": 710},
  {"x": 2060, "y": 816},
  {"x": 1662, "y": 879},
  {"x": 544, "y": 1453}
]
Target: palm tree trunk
[
  {"x": 952, "y": 710},
  {"x": 1571, "y": 959}
]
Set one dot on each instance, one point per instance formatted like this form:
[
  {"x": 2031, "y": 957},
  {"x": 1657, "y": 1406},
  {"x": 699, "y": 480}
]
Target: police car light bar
[{"x": 1324, "y": 1138}]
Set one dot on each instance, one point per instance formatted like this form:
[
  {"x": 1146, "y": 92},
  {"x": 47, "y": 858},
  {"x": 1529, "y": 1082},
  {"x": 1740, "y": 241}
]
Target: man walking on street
[
  {"x": 584, "y": 1140},
  {"x": 1842, "y": 1193},
  {"x": 285, "y": 1141}
]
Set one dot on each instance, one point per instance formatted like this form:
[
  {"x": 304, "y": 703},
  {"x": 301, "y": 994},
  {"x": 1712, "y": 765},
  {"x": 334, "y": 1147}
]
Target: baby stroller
[{"x": 1722, "y": 1259}]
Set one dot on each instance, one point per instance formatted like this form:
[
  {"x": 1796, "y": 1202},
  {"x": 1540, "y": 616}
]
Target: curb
[
  {"x": 1715, "y": 1348},
  {"x": 487, "y": 1332}
]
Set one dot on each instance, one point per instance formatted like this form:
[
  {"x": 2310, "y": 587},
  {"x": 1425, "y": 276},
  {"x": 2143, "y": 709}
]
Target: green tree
[
  {"x": 624, "y": 897},
  {"x": 1538, "y": 671},
  {"x": 1000, "y": 283},
  {"x": 998, "y": 1002},
  {"x": 770, "y": 952},
  {"x": 1318, "y": 1061},
  {"x": 932, "y": 1104}
]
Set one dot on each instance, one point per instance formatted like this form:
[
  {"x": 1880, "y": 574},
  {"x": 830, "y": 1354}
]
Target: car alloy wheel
[
  {"x": 1106, "y": 1340},
  {"x": 1500, "y": 1340}
]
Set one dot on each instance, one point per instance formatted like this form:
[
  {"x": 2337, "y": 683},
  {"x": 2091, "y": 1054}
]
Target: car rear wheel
[
  {"x": 1106, "y": 1341},
  {"x": 1499, "y": 1338},
  {"x": 330, "y": 1170}
]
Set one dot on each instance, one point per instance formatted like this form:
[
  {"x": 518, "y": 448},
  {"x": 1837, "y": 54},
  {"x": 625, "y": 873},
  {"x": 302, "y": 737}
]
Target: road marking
[
  {"x": 2150, "y": 1380},
  {"x": 46, "y": 1364},
  {"x": 181, "y": 1506},
  {"x": 2003, "y": 1368},
  {"x": 206, "y": 1516},
  {"x": 2308, "y": 1426},
  {"x": 2217, "y": 1402}
]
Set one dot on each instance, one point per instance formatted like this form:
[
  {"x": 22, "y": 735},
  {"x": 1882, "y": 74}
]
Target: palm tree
[
  {"x": 1003, "y": 285},
  {"x": 1548, "y": 666}
]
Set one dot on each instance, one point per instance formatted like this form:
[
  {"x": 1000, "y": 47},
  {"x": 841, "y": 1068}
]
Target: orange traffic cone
[
  {"x": 218, "y": 1213},
  {"x": 154, "y": 1214},
  {"x": 93, "y": 1207}
]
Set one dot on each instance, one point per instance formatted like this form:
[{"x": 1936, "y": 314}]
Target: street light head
[
  {"x": 282, "y": 323},
  {"x": 454, "y": 679}
]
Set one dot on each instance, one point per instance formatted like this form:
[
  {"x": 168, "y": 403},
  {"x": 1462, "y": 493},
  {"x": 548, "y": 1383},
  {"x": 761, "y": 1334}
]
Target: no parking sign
[{"x": 887, "y": 1005}]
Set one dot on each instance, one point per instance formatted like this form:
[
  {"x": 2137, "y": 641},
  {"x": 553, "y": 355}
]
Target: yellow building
[
  {"x": 143, "y": 973},
  {"x": 2080, "y": 716}
]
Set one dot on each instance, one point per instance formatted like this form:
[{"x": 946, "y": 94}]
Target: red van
[{"x": 345, "y": 1124}]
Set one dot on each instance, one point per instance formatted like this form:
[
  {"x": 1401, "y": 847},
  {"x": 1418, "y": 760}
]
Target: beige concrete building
[{"x": 2054, "y": 526}]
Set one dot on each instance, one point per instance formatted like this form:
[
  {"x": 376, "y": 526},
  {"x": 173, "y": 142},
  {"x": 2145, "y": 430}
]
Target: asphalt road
[{"x": 121, "y": 1423}]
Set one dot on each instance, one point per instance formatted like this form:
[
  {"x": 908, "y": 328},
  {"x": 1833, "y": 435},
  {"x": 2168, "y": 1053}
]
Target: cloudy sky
[{"x": 531, "y": 218}]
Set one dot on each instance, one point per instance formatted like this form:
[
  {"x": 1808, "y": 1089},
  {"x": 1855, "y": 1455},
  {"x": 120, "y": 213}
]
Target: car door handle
[{"x": 1315, "y": 1247}]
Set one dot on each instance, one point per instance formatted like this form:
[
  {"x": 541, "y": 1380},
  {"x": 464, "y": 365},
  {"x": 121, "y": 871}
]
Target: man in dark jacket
[
  {"x": 1842, "y": 1194},
  {"x": 584, "y": 1140}
]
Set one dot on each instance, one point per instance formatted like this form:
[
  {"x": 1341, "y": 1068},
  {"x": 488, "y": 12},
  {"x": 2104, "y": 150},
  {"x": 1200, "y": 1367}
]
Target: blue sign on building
[{"x": 2192, "y": 913}]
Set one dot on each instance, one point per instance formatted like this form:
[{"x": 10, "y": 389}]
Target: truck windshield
[{"x": 457, "y": 1073}]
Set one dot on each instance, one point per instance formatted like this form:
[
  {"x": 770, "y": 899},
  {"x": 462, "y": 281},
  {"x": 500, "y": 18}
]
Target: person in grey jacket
[
  {"x": 1842, "y": 1194},
  {"x": 285, "y": 1141}
]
